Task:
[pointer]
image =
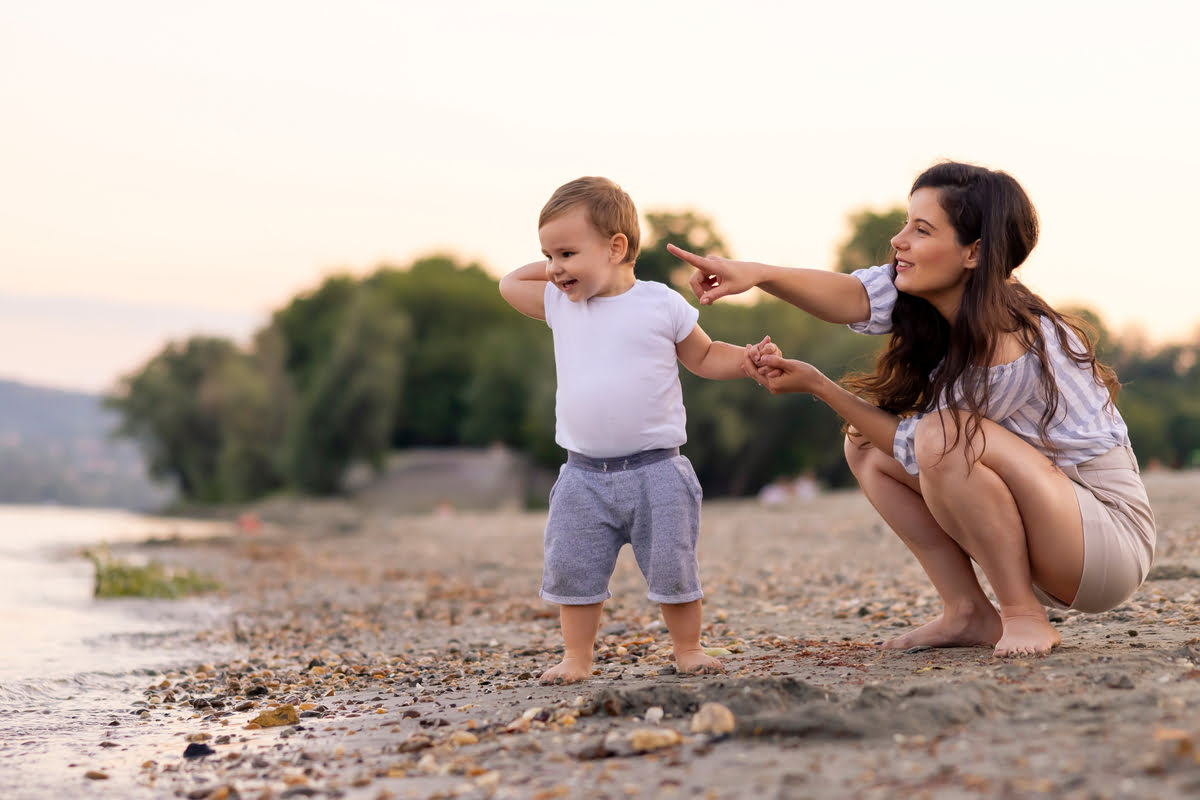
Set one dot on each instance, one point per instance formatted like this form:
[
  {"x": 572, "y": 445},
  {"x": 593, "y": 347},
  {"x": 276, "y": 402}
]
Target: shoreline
[{"x": 410, "y": 648}]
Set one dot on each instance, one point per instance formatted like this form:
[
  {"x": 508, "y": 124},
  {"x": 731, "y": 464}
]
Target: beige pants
[{"x": 1118, "y": 531}]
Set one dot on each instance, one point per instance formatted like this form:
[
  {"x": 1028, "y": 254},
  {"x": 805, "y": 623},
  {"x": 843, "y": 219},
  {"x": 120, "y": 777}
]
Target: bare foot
[
  {"x": 1027, "y": 635},
  {"x": 697, "y": 662},
  {"x": 569, "y": 670},
  {"x": 972, "y": 630}
]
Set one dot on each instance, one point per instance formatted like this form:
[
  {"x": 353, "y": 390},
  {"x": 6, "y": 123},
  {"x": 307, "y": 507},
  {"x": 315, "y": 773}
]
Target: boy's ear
[
  {"x": 972, "y": 256},
  {"x": 618, "y": 246}
]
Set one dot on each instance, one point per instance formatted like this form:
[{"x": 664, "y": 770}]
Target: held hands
[
  {"x": 765, "y": 364},
  {"x": 752, "y": 362},
  {"x": 715, "y": 277}
]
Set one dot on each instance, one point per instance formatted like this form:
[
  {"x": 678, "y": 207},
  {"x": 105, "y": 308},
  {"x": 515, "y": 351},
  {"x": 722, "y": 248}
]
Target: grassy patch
[{"x": 115, "y": 578}]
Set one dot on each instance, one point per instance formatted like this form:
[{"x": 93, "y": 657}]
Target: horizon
[{"x": 229, "y": 156}]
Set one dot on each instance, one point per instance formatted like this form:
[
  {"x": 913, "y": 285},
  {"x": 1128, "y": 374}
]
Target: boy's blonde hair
[{"x": 609, "y": 208}]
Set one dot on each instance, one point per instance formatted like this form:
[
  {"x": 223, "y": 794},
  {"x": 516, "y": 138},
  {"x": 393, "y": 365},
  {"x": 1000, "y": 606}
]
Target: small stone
[
  {"x": 1121, "y": 682},
  {"x": 645, "y": 740},
  {"x": 654, "y": 715},
  {"x": 590, "y": 749},
  {"x": 418, "y": 741},
  {"x": 273, "y": 718},
  {"x": 197, "y": 750},
  {"x": 461, "y": 738},
  {"x": 717, "y": 652},
  {"x": 713, "y": 718},
  {"x": 95, "y": 775}
]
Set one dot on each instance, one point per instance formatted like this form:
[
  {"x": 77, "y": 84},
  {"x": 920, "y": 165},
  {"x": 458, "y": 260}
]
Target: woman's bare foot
[
  {"x": 697, "y": 662},
  {"x": 569, "y": 670},
  {"x": 975, "y": 629},
  {"x": 1027, "y": 635}
]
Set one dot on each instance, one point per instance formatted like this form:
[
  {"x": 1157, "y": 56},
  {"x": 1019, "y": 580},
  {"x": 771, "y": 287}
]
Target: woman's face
[{"x": 930, "y": 261}]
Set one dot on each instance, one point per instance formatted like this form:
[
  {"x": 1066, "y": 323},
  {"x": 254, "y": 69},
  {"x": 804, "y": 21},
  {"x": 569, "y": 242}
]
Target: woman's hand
[
  {"x": 785, "y": 375},
  {"x": 716, "y": 277}
]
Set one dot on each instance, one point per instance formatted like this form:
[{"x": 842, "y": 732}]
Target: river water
[{"x": 71, "y": 664}]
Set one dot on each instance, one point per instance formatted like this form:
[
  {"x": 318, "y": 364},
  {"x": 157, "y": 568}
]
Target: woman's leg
[
  {"x": 1013, "y": 512},
  {"x": 968, "y": 617}
]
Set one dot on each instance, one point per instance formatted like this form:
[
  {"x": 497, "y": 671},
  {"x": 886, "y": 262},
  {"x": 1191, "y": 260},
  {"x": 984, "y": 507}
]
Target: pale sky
[{"x": 216, "y": 158}]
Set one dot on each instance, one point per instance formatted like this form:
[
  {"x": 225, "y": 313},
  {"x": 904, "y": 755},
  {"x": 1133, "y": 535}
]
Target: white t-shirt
[{"x": 618, "y": 374}]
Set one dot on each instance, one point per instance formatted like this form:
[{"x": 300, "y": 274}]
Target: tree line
[{"x": 431, "y": 356}]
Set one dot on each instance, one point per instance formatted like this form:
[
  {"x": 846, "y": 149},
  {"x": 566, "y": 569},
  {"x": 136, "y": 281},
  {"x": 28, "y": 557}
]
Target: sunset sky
[{"x": 169, "y": 168}]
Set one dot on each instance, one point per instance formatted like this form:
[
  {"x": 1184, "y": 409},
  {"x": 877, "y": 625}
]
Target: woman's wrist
[{"x": 762, "y": 274}]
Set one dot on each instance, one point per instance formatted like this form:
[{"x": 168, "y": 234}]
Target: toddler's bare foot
[
  {"x": 1027, "y": 635},
  {"x": 971, "y": 630},
  {"x": 697, "y": 662},
  {"x": 569, "y": 670}
]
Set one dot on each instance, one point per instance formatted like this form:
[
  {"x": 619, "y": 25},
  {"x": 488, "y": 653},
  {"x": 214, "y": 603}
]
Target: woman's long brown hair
[{"x": 928, "y": 359}]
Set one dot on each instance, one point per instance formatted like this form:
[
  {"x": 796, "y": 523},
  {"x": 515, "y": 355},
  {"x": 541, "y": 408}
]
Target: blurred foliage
[
  {"x": 431, "y": 355},
  {"x": 685, "y": 229},
  {"x": 869, "y": 243}
]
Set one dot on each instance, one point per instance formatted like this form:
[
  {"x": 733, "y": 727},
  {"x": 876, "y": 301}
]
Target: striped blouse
[{"x": 1085, "y": 425}]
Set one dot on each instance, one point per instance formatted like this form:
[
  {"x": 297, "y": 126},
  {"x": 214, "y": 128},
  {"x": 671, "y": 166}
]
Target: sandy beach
[{"x": 408, "y": 648}]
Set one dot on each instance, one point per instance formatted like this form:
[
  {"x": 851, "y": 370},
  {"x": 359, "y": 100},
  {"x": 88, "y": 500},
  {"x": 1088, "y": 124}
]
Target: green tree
[
  {"x": 198, "y": 409},
  {"x": 510, "y": 373},
  {"x": 685, "y": 229},
  {"x": 453, "y": 309},
  {"x": 344, "y": 415},
  {"x": 869, "y": 243}
]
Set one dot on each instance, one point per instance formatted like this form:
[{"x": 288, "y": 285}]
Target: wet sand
[{"x": 409, "y": 648}]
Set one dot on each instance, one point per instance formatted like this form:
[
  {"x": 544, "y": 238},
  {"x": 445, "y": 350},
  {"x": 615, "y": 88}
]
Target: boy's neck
[{"x": 623, "y": 281}]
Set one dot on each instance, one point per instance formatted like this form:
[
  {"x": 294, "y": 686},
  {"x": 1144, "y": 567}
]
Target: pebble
[
  {"x": 197, "y": 750},
  {"x": 714, "y": 719}
]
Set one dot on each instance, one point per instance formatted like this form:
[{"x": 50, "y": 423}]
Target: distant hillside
[{"x": 55, "y": 448}]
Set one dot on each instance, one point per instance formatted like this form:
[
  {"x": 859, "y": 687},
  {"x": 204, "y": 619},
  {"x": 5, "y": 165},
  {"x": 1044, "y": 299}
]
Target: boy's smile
[{"x": 581, "y": 261}]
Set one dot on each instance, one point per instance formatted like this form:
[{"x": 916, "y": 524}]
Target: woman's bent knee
[
  {"x": 858, "y": 452},
  {"x": 935, "y": 444}
]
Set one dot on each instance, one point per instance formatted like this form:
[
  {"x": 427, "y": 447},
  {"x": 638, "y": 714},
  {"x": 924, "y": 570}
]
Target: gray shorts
[{"x": 650, "y": 500}]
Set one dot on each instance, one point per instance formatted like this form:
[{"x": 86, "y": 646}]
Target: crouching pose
[{"x": 987, "y": 431}]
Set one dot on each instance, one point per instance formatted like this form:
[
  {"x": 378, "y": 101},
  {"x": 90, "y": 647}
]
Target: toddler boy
[{"x": 620, "y": 417}]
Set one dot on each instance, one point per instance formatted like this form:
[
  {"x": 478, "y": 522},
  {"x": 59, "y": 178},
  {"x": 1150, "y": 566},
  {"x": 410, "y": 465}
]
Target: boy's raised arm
[{"x": 525, "y": 289}]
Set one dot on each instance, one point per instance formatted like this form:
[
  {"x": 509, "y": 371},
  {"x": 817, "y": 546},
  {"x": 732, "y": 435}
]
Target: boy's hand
[{"x": 754, "y": 356}]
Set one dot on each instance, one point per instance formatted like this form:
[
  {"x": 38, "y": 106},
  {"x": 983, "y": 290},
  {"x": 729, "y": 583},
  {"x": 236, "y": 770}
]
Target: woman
[{"x": 987, "y": 431}]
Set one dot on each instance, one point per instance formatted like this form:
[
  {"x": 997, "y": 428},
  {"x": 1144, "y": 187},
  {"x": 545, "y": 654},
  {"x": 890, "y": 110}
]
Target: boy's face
[{"x": 582, "y": 262}]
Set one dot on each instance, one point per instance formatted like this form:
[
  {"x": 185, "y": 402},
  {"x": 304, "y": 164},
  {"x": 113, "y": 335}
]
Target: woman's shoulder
[
  {"x": 1009, "y": 349},
  {"x": 1014, "y": 350}
]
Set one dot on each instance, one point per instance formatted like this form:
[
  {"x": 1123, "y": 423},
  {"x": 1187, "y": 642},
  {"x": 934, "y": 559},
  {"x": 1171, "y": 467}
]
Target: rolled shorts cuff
[
  {"x": 573, "y": 601},
  {"x": 675, "y": 600}
]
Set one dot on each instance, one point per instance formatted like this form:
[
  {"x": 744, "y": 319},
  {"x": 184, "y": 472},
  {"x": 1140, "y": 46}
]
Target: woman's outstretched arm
[{"x": 830, "y": 296}]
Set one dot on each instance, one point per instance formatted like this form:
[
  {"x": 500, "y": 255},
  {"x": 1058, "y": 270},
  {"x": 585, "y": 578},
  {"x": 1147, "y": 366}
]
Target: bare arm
[
  {"x": 525, "y": 289},
  {"x": 877, "y": 425},
  {"x": 714, "y": 360},
  {"x": 829, "y": 296}
]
